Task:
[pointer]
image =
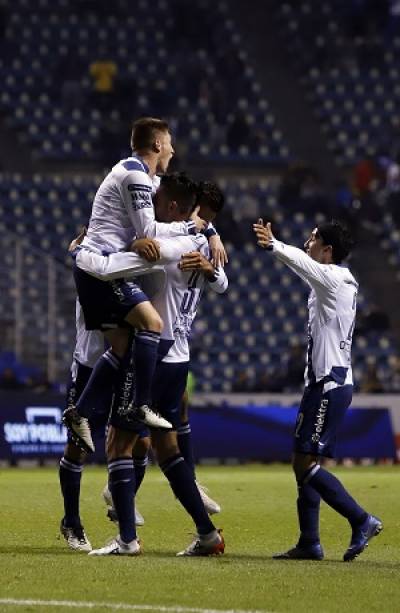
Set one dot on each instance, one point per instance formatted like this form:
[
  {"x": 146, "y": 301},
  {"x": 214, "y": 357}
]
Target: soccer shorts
[
  {"x": 319, "y": 417},
  {"x": 105, "y": 304}
]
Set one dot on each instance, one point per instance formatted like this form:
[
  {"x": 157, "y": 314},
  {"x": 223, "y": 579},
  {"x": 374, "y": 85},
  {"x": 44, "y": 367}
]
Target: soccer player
[
  {"x": 123, "y": 210},
  {"x": 211, "y": 200},
  {"x": 177, "y": 302},
  {"x": 89, "y": 347},
  {"x": 328, "y": 384}
]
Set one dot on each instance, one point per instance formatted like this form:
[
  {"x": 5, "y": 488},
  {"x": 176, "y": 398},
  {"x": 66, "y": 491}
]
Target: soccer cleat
[
  {"x": 79, "y": 430},
  {"x": 117, "y": 548},
  {"x": 150, "y": 418},
  {"x": 361, "y": 537},
  {"x": 209, "y": 504},
  {"x": 311, "y": 552},
  {"x": 111, "y": 512},
  {"x": 209, "y": 545},
  {"x": 75, "y": 537}
]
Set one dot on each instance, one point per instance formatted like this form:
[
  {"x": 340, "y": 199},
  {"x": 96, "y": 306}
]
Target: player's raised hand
[
  {"x": 264, "y": 234},
  {"x": 77, "y": 240},
  {"x": 147, "y": 248},
  {"x": 218, "y": 251},
  {"x": 199, "y": 223}
]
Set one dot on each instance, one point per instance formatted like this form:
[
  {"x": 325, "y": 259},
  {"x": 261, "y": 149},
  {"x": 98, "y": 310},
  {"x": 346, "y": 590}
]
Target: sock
[
  {"x": 145, "y": 353},
  {"x": 139, "y": 465},
  {"x": 308, "y": 504},
  {"x": 99, "y": 389},
  {"x": 70, "y": 481},
  {"x": 333, "y": 493},
  {"x": 184, "y": 434},
  {"x": 184, "y": 487},
  {"x": 121, "y": 477},
  {"x": 125, "y": 381}
]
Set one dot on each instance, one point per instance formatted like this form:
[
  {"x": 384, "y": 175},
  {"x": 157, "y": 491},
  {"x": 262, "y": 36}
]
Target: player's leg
[
  {"x": 319, "y": 417},
  {"x": 121, "y": 438},
  {"x": 184, "y": 433},
  {"x": 169, "y": 385},
  {"x": 70, "y": 472},
  {"x": 330, "y": 414},
  {"x": 115, "y": 308},
  {"x": 308, "y": 546},
  {"x": 140, "y": 461},
  {"x": 98, "y": 392}
]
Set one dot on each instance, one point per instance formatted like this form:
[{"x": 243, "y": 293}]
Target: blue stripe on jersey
[
  {"x": 210, "y": 232},
  {"x": 338, "y": 374},
  {"x": 133, "y": 165},
  {"x": 310, "y": 372},
  {"x": 163, "y": 348},
  {"x": 138, "y": 187}
]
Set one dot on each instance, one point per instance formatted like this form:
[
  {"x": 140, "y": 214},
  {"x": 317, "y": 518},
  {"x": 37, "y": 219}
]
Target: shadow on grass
[{"x": 225, "y": 559}]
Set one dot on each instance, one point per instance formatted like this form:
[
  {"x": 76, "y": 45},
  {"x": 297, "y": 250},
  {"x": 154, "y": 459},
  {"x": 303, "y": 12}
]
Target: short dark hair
[
  {"x": 210, "y": 194},
  {"x": 182, "y": 189},
  {"x": 144, "y": 132},
  {"x": 336, "y": 234}
]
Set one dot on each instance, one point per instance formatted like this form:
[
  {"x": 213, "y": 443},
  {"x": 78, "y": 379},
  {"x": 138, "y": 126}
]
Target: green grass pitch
[{"x": 258, "y": 518}]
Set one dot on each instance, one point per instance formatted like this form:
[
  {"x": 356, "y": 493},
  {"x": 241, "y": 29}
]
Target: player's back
[
  {"x": 110, "y": 227},
  {"x": 176, "y": 301}
]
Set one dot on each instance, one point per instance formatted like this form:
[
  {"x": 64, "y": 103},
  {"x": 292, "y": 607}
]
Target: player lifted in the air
[{"x": 123, "y": 210}]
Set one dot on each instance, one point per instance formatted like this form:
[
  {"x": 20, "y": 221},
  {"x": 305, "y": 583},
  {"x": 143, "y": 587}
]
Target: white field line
[{"x": 115, "y": 606}]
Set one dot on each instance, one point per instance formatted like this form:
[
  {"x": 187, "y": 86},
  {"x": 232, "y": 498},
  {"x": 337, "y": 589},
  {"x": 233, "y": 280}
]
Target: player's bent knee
[
  {"x": 165, "y": 445},
  {"x": 301, "y": 464},
  {"x": 142, "y": 447},
  {"x": 119, "y": 341},
  {"x": 119, "y": 443},
  {"x": 145, "y": 317}
]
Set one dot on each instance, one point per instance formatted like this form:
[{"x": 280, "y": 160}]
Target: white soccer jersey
[
  {"x": 175, "y": 294},
  {"x": 177, "y": 299},
  {"x": 123, "y": 210},
  {"x": 89, "y": 343},
  {"x": 332, "y": 312}
]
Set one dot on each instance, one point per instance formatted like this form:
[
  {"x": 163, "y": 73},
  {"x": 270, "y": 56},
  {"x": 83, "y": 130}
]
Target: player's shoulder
[
  {"x": 133, "y": 171},
  {"x": 342, "y": 274},
  {"x": 199, "y": 241}
]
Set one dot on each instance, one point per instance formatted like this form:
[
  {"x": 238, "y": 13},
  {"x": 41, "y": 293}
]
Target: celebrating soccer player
[{"x": 328, "y": 384}]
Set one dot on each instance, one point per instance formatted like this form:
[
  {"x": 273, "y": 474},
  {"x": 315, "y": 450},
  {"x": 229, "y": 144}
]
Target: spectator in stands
[
  {"x": 3, "y": 19},
  {"x": 287, "y": 379},
  {"x": 301, "y": 188},
  {"x": 71, "y": 90},
  {"x": 393, "y": 385},
  {"x": 9, "y": 380},
  {"x": 242, "y": 382},
  {"x": 103, "y": 72},
  {"x": 238, "y": 133},
  {"x": 373, "y": 319},
  {"x": 371, "y": 383}
]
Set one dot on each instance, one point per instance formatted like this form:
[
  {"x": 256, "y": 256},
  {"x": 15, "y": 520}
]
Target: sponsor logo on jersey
[{"x": 320, "y": 420}]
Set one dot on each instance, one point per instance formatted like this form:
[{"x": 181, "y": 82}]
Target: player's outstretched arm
[
  {"x": 264, "y": 234},
  {"x": 314, "y": 273}
]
